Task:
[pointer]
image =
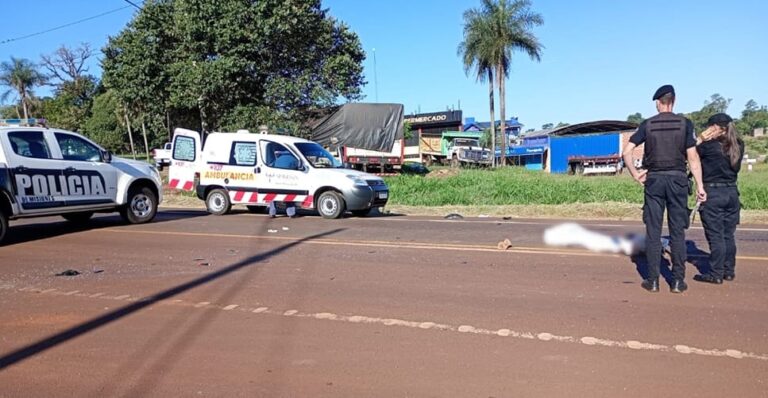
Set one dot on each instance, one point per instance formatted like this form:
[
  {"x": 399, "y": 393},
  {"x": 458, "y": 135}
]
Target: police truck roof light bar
[{"x": 23, "y": 122}]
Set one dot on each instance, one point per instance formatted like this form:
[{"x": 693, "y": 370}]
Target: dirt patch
[{"x": 443, "y": 173}]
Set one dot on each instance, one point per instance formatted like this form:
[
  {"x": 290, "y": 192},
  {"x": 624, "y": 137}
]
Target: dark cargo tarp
[{"x": 374, "y": 127}]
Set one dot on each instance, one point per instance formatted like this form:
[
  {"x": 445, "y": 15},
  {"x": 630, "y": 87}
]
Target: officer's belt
[
  {"x": 719, "y": 184},
  {"x": 675, "y": 173}
]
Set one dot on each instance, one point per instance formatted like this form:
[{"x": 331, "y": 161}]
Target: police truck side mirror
[{"x": 106, "y": 156}]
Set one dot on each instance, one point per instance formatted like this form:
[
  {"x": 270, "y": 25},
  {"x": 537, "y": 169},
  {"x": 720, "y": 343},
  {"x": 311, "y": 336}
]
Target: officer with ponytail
[{"x": 721, "y": 151}]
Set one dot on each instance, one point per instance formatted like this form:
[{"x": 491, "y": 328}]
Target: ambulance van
[{"x": 256, "y": 169}]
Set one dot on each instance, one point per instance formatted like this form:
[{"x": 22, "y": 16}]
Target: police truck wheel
[
  {"x": 79, "y": 217},
  {"x": 3, "y": 226},
  {"x": 330, "y": 204},
  {"x": 218, "y": 202},
  {"x": 141, "y": 206}
]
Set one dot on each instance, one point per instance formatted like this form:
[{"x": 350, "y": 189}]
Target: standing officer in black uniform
[
  {"x": 669, "y": 140},
  {"x": 721, "y": 151}
]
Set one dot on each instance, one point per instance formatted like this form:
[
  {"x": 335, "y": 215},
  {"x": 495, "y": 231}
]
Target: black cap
[
  {"x": 664, "y": 90},
  {"x": 719, "y": 118}
]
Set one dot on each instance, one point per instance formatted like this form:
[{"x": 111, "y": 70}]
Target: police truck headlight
[{"x": 359, "y": 182}]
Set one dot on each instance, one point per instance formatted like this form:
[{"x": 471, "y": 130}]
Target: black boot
[
  {"x": 678, "y": 286},
  {"x": 708, "y": 278},
  {"x": 651, "y": 285}
]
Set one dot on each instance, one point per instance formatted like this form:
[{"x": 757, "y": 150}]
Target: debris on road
[
  {"x": 504, "y": 245},
  {"x": 507, "y": 218},
  {"x": 69, "y": 272},
  {"x": 285, "y": 228},
  {"x": 98, "y": 271},
  {"x": 272, "y": 231},
  {"x": 454, "y": 216}
]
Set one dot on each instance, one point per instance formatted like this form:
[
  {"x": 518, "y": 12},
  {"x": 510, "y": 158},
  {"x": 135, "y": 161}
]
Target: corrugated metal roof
[{"x": 600, "y": 126}]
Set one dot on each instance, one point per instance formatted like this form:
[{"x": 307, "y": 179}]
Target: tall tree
[
  {"x": 636, "y": 118},
  {"x": 716, "y": 104},
  {"x": 506, "y": 28},
  {"x": 21, "y": 76},
  {"x": 74, "y": 88},
  {"x": 475, "y": 54},
  {"x": 233, "y": 64}
]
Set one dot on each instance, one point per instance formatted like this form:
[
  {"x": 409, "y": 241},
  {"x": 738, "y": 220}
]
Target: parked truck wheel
[
  {"x": 3, "y": 225},
  {"x": 330, "y": 204},
  {"x": 455, "y": 161},
  {"x": 218, "y": 202},
  {"x": 141, "y": 207},
  {"x": 79, "y": 217}
]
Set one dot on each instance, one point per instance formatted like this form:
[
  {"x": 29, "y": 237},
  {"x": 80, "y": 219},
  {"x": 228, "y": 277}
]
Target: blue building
[{"x": 550, "y": 149}]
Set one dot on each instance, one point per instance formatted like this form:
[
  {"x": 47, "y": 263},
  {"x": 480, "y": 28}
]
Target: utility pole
[{"x": 375, "y": 78}]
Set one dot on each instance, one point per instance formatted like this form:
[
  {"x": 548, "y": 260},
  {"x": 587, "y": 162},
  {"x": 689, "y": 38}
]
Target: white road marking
[
  {"x": 543, "y": 222},
  {"x": 470, "y": 329},
  {"x": 46, "y": 291},
  {"x": 122, "y": 297},
  {"x": 71, "y": 293}
]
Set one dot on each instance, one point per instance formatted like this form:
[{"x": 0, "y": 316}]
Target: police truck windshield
[{"x": 317, "y": 156}]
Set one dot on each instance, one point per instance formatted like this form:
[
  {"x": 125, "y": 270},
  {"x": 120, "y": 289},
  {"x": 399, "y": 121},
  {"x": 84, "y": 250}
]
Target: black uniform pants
[
  {"x": 720, "y": 215},
  {"x": 666, "y": 190}
]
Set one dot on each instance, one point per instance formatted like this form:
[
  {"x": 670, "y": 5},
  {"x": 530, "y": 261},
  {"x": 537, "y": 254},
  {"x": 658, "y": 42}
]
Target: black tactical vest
[{"x": 665, "y": 142}]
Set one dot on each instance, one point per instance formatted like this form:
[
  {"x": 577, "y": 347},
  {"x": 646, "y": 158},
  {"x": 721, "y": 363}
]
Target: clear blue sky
[{"x": 598, "y": 63}]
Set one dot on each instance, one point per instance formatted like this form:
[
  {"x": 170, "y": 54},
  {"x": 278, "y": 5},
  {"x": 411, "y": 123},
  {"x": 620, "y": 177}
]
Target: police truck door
[
  {"x": 185, "y": 159},
  {"x": 88, "y": 179},
  {"x": 36, "y": 175}
]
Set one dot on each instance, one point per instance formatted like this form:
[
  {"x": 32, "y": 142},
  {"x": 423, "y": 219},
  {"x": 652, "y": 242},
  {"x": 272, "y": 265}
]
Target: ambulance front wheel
[
  {"x": 330, "y": 204},
  {"x": 218, "y": 202}
]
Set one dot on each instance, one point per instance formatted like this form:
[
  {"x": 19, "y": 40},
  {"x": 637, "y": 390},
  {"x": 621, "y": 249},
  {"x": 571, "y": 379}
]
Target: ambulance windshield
[{"x": 317, "y": 156}]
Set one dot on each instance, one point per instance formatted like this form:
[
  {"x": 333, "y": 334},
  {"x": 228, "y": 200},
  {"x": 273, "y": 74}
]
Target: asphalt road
[{"x": 246, "y": 306}]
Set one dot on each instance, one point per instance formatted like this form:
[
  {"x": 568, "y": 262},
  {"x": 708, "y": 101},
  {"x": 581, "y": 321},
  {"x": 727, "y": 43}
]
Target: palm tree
[
  {"x": 504, "y": 27},
  {"x": 21, "y": 76},
  {"x": 474, "y": 53}
]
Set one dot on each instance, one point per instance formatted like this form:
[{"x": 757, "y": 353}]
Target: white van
[{"x": 256, "y": 169}]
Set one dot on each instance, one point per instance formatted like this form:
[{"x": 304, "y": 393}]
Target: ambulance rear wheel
[
  {"x": 141, "y": 207},
  {"x": 218, "y": 202},
  {"x": 3, "y": 225},
  {"x": 330, "y": 205},
  {"x": 79, "y": 217}
]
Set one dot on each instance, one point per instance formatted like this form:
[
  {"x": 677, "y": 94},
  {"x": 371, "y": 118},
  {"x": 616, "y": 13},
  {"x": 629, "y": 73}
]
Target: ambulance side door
[
  {"x": 186, "y": 159},
  {"x": 88, "y": 180},
  {"x": 284, "y": 176},
  {"x": 34, "y": 172}
]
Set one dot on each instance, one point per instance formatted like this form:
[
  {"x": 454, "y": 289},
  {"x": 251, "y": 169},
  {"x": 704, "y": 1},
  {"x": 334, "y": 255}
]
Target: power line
[
  {"x": 64, "y": 26},
  {"x": 133, "y": 4}
]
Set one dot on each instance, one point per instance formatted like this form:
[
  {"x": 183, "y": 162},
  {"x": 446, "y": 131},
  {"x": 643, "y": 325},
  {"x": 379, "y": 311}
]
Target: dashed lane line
[
  {"x": 588, "y": 341},
  {"x": 395, "y": 244}
]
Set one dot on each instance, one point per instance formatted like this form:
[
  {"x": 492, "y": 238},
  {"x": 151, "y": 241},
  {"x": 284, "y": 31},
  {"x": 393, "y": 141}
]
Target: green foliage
[
  {"x": 515, "y": 185},
  {"x": 20, "y": 77},
  {"x": 752, "y": 117},
  {"x": 547, "y": 126},
  {"x": 716, "y": 104},
  {"x": 104, "y": 126},
  {"x": 407, "y": 131},
  {"x": 636, "y": 118},
  {"x": 233, "y": 64}
]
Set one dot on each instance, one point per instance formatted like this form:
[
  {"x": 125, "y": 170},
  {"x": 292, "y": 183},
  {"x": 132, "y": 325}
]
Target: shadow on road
[
  {"x": 30, "y": 232},
  {"x": 694, "y": 255},
  {"x": 33, "y": 349}
]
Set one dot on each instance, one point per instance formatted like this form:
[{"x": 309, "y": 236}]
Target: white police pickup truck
[{"x": 45, "y": 172}]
